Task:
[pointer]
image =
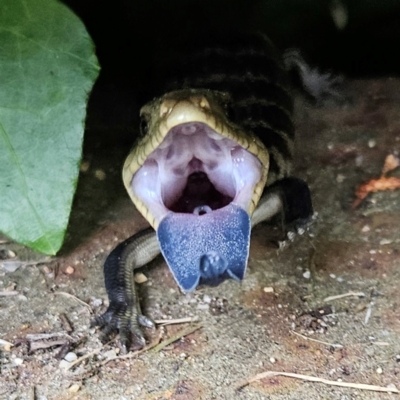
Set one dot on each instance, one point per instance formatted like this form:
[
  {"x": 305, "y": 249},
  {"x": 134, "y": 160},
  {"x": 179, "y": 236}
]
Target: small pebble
[
  {"x": 272, "y": 360},
  {"x": 110, "y": 354},
  {"x": 379, "y": 370},
  {"x": 385, "y": 241},
  {"x": 64, "y": 364},
  {"x": 307, "y": 274},
  {"x": 268, "y": 289},
  {"x": 206, "y": 298},
  {"x": 11, "y": 254},
  {"x": 333, "y": 276},
  {"x": 340, "y": 178},
  {"x": 74, "y": 388},
  {"x": 10, "y": 266},
  {"x": 365, "y": 228},
  {"x": 70, "y": 357},
  {"x": 371, "y": 143},
  {"x": 85, "y": 165},
  {"x": 69, "y": 270},
  {"x": 18, "y": 361},
  {"x": 100, "y": 174},
  {"x": 203, "y": 306},
  {"x": 96, "y": 302},
  {"x": 140, "y": 277}
]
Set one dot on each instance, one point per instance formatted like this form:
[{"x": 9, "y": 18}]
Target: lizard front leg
[
  {"x": 123, "y": 313},
  {"x": 289, "y": 197}
]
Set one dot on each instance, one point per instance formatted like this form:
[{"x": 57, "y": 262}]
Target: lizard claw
[{"x": 128, "y": 322}]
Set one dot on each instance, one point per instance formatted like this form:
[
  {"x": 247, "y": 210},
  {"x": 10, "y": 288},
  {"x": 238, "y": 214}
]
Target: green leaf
[{"x": 47, "y": 69}]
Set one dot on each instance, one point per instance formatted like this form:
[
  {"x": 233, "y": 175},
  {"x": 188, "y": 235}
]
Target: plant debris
[
  {"x": 361, "y": 386},
  {"x": 380, "y": 184}
]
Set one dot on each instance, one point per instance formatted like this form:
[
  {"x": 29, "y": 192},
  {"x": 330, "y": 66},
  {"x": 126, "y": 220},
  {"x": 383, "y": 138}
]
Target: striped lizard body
[{"x": 213, "y": 160}]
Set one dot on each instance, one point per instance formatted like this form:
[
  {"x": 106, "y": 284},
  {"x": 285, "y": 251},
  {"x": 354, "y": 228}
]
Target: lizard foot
[{"x": 125, "y": 320}]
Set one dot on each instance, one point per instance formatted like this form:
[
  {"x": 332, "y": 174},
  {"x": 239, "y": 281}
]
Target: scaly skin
[{"x": 237, "y": 89}]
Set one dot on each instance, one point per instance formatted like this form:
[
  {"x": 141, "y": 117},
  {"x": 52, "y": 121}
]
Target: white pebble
[
  {"x": 206, "y": 298},
  {"x": 379, "y": 370},
  {"x": 74, "y": 388},
  {"x": 64, "y": 364},
  {"x": 307, "y": 274},
  {"x": 272, "y": 360},
  {"x": 70, "y": 357},
  {"x": 18, "y": 361},
  {"x": 10, "y": 266}
]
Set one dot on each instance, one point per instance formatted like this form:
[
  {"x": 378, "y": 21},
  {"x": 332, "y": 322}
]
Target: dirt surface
[{"x": 259, "y": 325}]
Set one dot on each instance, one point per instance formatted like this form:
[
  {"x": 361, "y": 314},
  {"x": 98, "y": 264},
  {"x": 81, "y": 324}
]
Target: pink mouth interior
[{"x": 196, "y": 170}]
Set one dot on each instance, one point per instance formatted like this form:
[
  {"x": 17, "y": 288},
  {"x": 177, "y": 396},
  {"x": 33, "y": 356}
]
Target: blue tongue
[{"x": 206, "y": 249}]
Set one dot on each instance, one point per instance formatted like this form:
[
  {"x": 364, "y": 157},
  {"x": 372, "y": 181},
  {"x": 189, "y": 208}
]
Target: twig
[
  {"x": 340, "y": 296},
  {"x": 65, "y": 323},
  {"x": 44, "y": 336},
  {"x": 8, "y": 293},
  {"x": 362, "y": 386},
  {"x": 368, "y": 313},
  {"x": 92, "y": 353},
  {"x": 71, "y": 296},
  {"x": 338, "y": 346},
  {"x": 45, "y": 345},
  {"x": 156, "y": 346},
  {"x": 179, "y": 335},
  {"x": 131, "y": 355},
  {"x": 5, "y": 343},
  {"x": 176, "y": 321}
]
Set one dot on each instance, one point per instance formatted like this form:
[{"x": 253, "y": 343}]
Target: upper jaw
[{"x": 193, "y": 167}]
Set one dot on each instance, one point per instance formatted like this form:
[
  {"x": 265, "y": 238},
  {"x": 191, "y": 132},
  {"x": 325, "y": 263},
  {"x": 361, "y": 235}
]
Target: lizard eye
[{"x": 143, "y": 126}]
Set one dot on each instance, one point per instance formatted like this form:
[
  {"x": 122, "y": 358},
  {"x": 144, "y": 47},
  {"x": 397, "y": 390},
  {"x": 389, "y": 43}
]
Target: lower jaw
[{"x": 206, "y": 249}]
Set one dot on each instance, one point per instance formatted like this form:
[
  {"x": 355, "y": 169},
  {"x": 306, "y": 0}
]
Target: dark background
[{"x": 133, "y": 37}]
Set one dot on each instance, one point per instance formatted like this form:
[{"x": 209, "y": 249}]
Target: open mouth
[
  {"x": 197, "y": 178},
  {"x": 195, "y": 170}
]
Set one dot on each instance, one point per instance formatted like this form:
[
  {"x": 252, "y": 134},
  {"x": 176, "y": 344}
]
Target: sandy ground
[{"x": 278, "y": 319}]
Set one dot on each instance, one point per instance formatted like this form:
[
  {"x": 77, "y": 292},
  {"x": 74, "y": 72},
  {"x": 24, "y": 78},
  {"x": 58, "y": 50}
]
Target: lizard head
[{"x": 197, "y": 178}]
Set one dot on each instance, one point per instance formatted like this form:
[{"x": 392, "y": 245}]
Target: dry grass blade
[
  {"x": 176, "y": 321},
  {"x": 179, "y": 335},
  {"x": 336, "y": 345},
  {"x": 5, "y": 343},
  {"x": 86, "y": 356},
  {"x": 8, "y": 293},
  {"x": 375, "y": 185},
  {"x": 361, "y": 386},
  {"x": 71, "y": 296},
  {"x": 340, "y": 296}
]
